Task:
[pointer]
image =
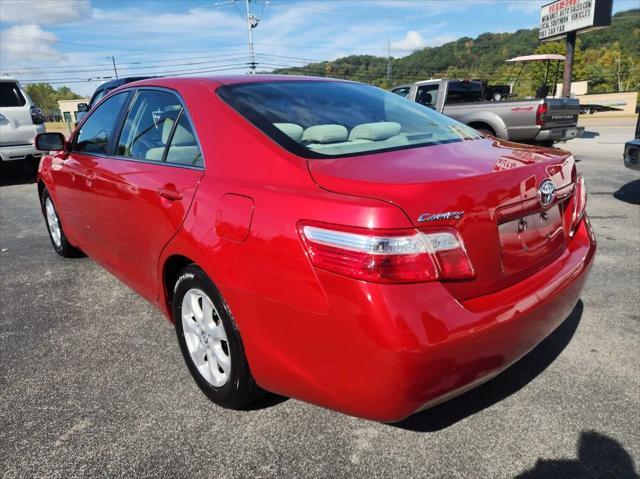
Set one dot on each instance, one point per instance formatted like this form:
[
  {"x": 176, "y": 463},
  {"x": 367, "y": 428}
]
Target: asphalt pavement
[{"x": 92, "y": 383}]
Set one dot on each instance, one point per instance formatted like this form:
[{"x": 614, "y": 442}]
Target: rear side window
[
  {"x": 97, "y": 95},
  {"x": 183, "y": 149},
  {"x": 464, "y": 92},
  {"x": 10, "y": 95},
  {"x": 97, "y": 131},
  {"x": 149, "y": 125},
  {"x": 157, "y": 129}
]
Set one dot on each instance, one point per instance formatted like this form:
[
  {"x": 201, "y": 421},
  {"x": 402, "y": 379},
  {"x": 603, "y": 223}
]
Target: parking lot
[{"x": 92, "y": 382}]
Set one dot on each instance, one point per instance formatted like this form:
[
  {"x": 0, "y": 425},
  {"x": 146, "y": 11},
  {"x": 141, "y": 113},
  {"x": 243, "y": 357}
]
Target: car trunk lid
[{"x": 490, "y": 188}]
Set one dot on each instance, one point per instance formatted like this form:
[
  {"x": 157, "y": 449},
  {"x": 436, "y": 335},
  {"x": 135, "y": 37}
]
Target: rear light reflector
[
  {"x": 579, "y": 203},
  {"x": 383, "y": 256},
  {"x": 36, "y": 115},
  {"x": 540, "y": 112}
]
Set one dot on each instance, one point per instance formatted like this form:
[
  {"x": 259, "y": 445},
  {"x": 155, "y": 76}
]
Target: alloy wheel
[
  {"x": 53, "y": 223},
  {"x": 205, "y": 337}
]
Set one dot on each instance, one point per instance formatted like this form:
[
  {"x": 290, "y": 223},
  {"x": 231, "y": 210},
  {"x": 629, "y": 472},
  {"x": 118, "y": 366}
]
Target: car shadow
[
  {"x": 599, "y": 456},
  {"x": 502, "y": 386},
  {"x": 16, "y": 173},
  {"x": 266, "y": 401},
  {"x": 589, "y": 134},
  {"x": 629, "y": 193}
]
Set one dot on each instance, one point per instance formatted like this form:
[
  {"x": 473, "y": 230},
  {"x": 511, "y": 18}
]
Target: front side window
[
  {"x": 320, "y": 119},
  {"x": 402, "y": 91},
  {"x": 427, "y": 95},
  {"x": 97, "y": 131}
]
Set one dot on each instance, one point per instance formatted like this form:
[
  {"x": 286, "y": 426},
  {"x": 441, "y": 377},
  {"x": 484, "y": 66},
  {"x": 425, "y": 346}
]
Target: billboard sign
[{"x": 563, "y": 16}]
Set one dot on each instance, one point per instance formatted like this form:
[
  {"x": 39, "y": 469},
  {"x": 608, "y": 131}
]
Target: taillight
[
  {"x": 579, "y": 202},
  {"x": 540, "y": 112},
  {"x": 36, "y": 115},
  {"x": 384, "y": 256}
]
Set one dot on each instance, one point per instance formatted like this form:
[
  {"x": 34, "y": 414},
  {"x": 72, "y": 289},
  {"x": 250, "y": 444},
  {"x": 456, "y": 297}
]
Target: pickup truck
[{"x": 542, "y": 121}]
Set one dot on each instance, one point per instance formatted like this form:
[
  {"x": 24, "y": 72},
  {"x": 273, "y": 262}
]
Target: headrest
[
  {"x": 181, "y": 136},
  {"x": 325, "y": 134},
  {"x": 292, "y": 130},
  {"x": 375, "y": 131}
]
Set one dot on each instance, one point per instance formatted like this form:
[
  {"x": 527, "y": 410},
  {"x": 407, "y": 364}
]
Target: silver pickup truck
[{"x": 543, "y": 121}]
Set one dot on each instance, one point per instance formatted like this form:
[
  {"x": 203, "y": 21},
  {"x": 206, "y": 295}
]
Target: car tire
[
  {"x": 58, "y": 239},
  {"x": 210, "y": 341}
]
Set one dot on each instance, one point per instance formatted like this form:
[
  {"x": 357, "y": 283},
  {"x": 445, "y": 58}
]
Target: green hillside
[{"x": 609, "y": 58}]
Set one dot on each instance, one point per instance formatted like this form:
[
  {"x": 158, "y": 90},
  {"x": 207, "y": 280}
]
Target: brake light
[
  {"x": 579, "y": 203},
  {"x": 384, "y": 256},
  {"x": 540, "y": 112}
]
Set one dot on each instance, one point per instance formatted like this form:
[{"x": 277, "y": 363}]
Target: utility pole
[
  {"x": 389, "y": 61},
  {"x": 252, "y": 22},
  {"x": 115, "y": 70}
]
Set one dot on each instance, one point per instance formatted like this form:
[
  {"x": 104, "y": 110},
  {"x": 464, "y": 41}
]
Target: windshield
[{"x": 319, "y": 119}]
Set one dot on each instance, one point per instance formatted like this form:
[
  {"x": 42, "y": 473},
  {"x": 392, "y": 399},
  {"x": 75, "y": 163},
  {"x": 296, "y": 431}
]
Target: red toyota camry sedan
[{"x": 321, "y": 239}]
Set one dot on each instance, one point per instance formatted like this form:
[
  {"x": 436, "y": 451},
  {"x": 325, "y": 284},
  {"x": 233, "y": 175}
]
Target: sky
[{"x": 71, "y": 42}]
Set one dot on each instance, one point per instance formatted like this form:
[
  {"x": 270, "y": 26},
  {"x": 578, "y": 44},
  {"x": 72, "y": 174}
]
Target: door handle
[{"x": 170, "y": 194}]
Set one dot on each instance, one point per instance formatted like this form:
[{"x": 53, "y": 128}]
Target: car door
[
  {"x": 145, "y": 188},
  {"x": 74, "y": 172}
]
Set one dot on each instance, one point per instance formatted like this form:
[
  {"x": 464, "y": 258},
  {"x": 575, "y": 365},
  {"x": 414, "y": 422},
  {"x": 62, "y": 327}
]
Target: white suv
[{"x": 20, "y": 122}]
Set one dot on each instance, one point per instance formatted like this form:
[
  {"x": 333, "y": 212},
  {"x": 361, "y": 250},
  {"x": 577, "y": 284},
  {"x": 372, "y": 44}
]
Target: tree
[{"x": 46, "y": 97}]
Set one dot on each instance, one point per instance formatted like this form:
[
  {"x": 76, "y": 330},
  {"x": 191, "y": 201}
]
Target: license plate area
[{"x": 531, "y": 240}]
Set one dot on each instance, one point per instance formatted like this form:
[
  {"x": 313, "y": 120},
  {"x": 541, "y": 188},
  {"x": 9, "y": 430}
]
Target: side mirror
[
  {"x": 83, "y": 107},
  {"x": 50, "y": 142}
]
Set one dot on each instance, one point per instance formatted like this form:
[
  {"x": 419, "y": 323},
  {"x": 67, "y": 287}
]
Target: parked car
[
  {"x": 102, "y": 90},
  {"x": 322, "y": 239},
  {"x": 632, "y": 150},
  {"x": 543, "y": 121},
  {"x": 20, "y": 121}
]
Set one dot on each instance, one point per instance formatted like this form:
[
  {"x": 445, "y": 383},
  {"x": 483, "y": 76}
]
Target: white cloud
[
  {"x": 200, "y": 21},
  {"x": 529, "y": 7},
  {"x": 27, "y": 43},
  {"x": 411, "y": 42},
  {"x": 44, "y": 12}
]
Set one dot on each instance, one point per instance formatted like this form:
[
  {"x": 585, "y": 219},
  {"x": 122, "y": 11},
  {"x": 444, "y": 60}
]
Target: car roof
[
  {"x": 181, "y": 82},
  {"x": 116, "y": 82}
]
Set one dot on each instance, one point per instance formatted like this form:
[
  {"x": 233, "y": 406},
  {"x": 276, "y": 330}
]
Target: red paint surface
[{"x": 380, "y": 351}]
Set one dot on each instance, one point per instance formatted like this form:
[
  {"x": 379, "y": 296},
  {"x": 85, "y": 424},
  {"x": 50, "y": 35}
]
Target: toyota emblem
[{"x": 546, "y": 193}]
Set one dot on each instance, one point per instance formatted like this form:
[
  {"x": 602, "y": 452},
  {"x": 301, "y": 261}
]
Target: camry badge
[
  {"x": 449, "y": 215},
  {"x": 546, "y": 193}
]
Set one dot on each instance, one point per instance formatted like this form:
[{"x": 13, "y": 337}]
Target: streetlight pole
[
  {"x": 252, "y": 22},
  {"x": 115, "y": 70}
]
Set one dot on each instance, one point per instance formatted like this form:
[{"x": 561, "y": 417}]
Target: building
[{"x": 69, "y": 109}]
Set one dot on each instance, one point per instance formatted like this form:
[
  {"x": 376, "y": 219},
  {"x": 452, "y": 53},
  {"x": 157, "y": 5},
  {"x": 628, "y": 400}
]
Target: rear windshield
[
  {"x": 10, "y": 95},
  {"x": 320, "y": 119}
]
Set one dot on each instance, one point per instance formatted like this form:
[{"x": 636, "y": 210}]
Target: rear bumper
[
  {"x": 559, "y": 134},
  {"x": 384, "y": 352},
  {"x": 19, "y": 152}
]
